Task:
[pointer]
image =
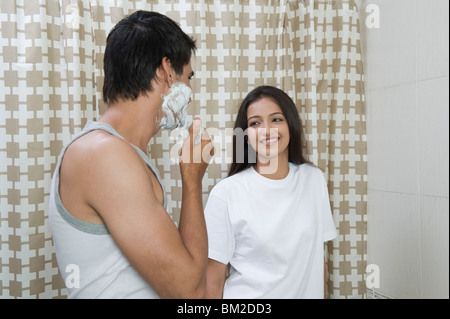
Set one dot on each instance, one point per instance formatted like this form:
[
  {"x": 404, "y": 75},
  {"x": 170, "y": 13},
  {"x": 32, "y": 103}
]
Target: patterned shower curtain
[{"x": 51, "y": 54}]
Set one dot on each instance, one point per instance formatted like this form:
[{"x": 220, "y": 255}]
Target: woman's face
[{"x": 268, "y": 131}]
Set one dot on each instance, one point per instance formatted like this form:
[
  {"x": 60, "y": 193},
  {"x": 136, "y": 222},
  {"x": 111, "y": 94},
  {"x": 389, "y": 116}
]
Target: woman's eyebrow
[
  {"x": 255, "y": 116},
  {"x": 258, "y": 116}
]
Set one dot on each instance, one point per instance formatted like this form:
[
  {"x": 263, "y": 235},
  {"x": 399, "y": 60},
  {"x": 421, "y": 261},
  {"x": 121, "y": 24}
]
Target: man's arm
[
  {"x": 324, "y": 278},
  {"x": 192, "y": 226},
  {"x": 173, "y": 261}
]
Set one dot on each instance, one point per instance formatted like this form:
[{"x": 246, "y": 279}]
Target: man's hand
[{"x": 195, "y": 158}]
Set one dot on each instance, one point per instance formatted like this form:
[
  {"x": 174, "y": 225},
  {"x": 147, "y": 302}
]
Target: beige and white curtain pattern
[{"x": 51, "y": 55}]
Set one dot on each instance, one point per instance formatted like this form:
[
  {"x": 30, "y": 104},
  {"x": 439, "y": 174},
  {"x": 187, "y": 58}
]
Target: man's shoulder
[
  {"x": 98, "y": 150},
  {"x": 96, "y": 141},
  {"x": 99, "y": 143}
]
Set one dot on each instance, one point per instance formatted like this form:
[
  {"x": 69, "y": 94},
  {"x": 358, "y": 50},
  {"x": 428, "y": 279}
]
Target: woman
[{"x": 269, "y": 218}]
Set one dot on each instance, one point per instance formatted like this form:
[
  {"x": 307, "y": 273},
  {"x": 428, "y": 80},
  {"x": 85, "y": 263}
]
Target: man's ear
[{"x": 167, "y": 71}]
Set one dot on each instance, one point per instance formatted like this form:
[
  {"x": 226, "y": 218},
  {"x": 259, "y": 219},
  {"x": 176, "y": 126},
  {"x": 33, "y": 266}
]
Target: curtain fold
[
  {"x": 51, "y": 78},
  {"x": 339, "y": 129}
]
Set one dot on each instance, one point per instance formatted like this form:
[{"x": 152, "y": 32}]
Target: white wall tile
[
  {"x": 432, "y": 39},
  {"x": 392, "y": 49},
  {"x": 394, "y": 242},
  {"x": 407, "y": 103},
  {"x": 392, "y": 139},
  {"x": 435, "y": 247},
  {"x": 433, "y": 136}
]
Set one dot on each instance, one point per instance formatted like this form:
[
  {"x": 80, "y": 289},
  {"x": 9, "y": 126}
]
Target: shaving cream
[{"x": 174, "y": 106}]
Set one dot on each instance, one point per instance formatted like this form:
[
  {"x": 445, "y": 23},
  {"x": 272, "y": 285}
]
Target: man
[{"x": 107, "y": 205}]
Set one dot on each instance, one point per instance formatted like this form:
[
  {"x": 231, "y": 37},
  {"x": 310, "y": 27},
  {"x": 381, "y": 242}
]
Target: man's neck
[{"x": 136, "y": 121}]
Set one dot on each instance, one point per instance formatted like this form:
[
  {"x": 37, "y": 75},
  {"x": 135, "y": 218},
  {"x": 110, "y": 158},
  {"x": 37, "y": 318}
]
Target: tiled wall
[{"x": 407, "y": 99}]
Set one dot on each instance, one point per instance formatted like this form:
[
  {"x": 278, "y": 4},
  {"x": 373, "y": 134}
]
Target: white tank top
[{"x": 89, "y": 260}]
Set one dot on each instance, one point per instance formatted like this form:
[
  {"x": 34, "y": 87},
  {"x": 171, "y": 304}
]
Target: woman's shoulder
[
  {"x": 308, "y": 170},
  {"x": 229, "y": 183},
  {"x": 233, "y": 180}
]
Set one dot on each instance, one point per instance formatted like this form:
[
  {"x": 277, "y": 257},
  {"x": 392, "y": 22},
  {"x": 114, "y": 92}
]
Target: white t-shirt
[{"x": 271, "y": 232}]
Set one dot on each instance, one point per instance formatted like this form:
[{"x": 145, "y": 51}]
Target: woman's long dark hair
[{"x": 297, "y": 146}]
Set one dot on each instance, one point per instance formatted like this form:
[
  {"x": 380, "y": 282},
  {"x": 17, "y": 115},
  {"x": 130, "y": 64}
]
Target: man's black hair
[{"x": 135, "y": 49}]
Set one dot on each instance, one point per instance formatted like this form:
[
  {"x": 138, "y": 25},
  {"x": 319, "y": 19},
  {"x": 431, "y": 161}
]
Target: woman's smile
[{"x": 269, "y": 141}]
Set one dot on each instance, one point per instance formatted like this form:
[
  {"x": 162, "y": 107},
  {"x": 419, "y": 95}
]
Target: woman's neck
[{"x": 273, "y": 168}]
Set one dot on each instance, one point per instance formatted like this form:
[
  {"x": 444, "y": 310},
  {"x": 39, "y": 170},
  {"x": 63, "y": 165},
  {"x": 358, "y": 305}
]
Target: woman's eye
[
  {"x": 278, "y": 120},
  {"x": 253, "y": 124}
]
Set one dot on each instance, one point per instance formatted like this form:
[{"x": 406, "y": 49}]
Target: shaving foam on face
[{"x": 174, "y": 106}]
